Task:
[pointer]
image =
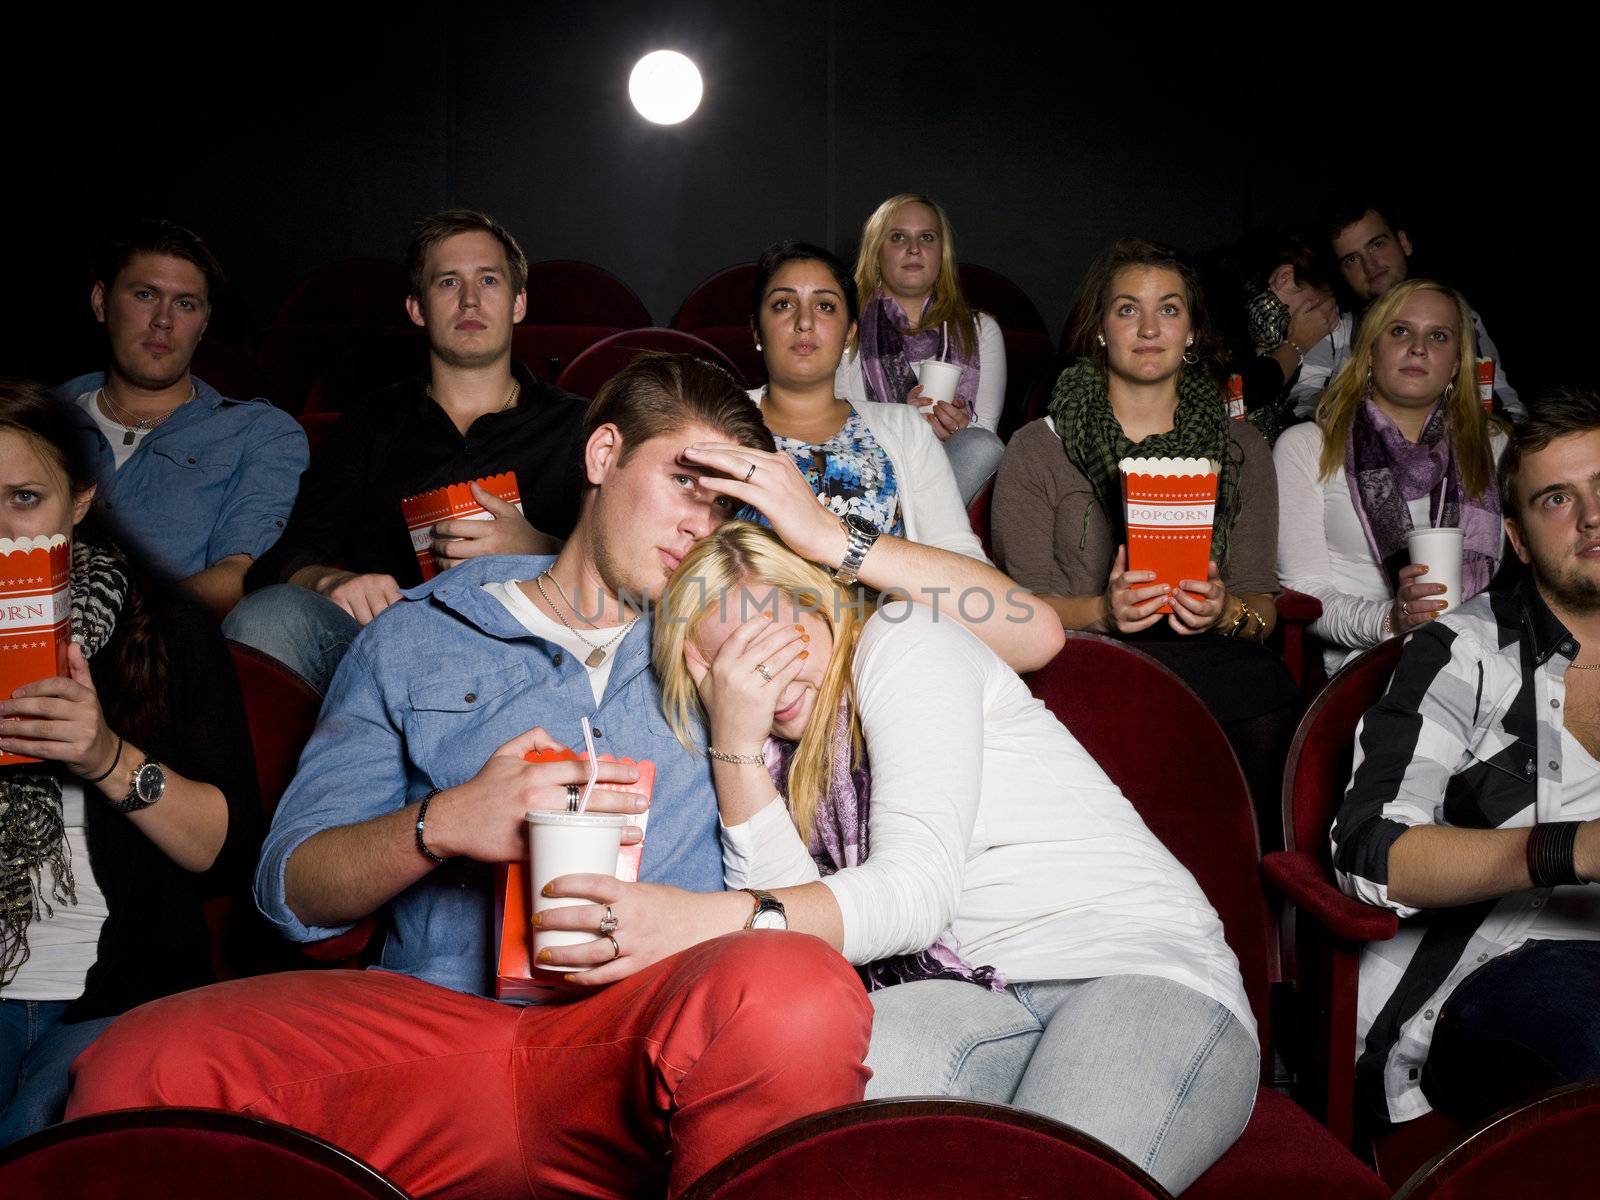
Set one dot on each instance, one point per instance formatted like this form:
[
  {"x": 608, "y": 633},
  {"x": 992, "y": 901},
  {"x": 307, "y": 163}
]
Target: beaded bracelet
[
  {"x": 422, "y": 819},
  {"x": 747, "y": 759}
]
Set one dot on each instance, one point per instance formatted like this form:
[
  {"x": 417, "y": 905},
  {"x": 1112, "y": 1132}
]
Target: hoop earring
[
  {"x": 1448, "y": 388},
  {"x": 1190, "y": 357}
]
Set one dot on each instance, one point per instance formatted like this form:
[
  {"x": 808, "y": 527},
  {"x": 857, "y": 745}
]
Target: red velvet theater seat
[
  {"x": 168, "y": 1153},
  {"x": 564, "y": 291},
  {"x": 1547, "y": 1148},
  {"x": 718, "y": 311},
  {"x": 1174, "y": 763},
  {"x": 591, "y": 369},
  {"x": 925, "y": 1149}
]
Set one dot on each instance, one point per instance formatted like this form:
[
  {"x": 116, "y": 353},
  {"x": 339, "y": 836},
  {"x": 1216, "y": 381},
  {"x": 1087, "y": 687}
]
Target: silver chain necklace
[
  {"x": 132, "y": 429},
  {"x": 597, "y": 654}
]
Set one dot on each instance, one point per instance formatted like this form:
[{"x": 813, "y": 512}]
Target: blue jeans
[
  {"x": 1518, "y": 1026},
  {"x": 36, "y": 1049},
  {"x": 974, "y": 454},
  {"x": 306, "y": 632},
  {"x": 1153, "y": 1069}
]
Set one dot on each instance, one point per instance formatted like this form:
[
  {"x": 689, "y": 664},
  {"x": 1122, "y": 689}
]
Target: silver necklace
[
  {"x": 597, "y": 654},
  {"x": 132, "y": 429},
  {"x": 511, "y": 396}
]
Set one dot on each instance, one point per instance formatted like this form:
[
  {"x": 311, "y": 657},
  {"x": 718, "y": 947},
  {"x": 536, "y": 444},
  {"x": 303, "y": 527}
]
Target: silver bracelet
[{"x": 747, "y": 759}]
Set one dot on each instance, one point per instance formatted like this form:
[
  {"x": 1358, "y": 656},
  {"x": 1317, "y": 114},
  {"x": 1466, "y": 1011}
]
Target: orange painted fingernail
[
  {"x": 534, "y": 920},
  {"x": 799, "y": 628},
  {"x": 546, "y": 890},
  {"x": 805, "y": 654},
  {"x": 544, "y": 956},
  {"x": 805, "y": 637}
]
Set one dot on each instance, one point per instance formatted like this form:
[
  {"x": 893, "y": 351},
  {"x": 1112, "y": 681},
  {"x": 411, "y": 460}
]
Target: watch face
[
  {"x": 149, "y": 783},
  {"x": 770, "y": 918},
  {"x": 861, "y": 525}
]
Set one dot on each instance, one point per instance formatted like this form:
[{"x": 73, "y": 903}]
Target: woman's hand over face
[{"x": 739, "y": 698}]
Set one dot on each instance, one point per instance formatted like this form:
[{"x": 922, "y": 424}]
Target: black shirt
[{"x": 398, "y": 443}]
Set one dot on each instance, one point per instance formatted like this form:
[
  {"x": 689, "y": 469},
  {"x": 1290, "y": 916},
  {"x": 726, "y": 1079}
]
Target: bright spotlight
[{"x": 665, "y": 87}]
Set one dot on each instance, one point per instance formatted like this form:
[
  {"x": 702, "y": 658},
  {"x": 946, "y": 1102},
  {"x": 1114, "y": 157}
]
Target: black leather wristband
[{"x": 1551, "y": 853}]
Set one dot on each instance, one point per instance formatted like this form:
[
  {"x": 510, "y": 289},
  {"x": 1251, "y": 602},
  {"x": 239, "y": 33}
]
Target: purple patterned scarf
[
  {"x": 1385, "y": 473},
  {"x": 887, "y": 352},
  {"x": 839, "y": 840}
]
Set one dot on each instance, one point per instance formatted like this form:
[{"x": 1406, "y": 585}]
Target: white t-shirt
[
  {"x": 62, "y": 948},
  {"x": 989, "y": 819},
  {"x": 115, "y": 432},
  {"x": 535, "y": 622}
]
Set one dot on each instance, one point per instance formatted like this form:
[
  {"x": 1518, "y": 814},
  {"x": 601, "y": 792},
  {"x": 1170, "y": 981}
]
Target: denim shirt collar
[
  {"x": 460, "y": 589},
  {"x": 206, "y": 400}
]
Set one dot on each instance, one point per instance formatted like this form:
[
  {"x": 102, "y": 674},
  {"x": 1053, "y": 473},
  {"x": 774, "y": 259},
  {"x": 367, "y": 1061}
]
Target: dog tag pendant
[
  {"x": 127, "y": 437},
  {"x": 596, "y": 657}
]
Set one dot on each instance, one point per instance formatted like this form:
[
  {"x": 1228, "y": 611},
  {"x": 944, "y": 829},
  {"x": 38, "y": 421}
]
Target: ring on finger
[
  {"x": 1405, "y": 608},
  {"x": 750, "y": 474},
  {"x": 574, "y": 794},
  {"x": 761, "y": 670},
  {"x": 608, "y": 923},
  {"x": 616, "y": 950}
]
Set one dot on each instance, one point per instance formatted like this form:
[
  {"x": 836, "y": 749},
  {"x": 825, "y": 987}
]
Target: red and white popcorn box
[
  {"x": 35, "y": 614},
  {"x": 1486, "y": 383},
  {"x": 453, "y": 502},
  {"x": 1171, "y": 504},
  {"x": 514, "y": 969}
]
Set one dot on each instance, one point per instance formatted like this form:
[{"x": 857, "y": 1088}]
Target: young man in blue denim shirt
[{"x": 198, "y": 482}]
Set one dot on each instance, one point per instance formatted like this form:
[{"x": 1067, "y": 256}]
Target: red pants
[{"x": 643, "y": 1085}]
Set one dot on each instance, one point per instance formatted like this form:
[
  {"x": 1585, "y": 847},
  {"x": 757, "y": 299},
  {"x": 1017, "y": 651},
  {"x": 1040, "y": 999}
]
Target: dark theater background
[{"x": 292, "y": 136}]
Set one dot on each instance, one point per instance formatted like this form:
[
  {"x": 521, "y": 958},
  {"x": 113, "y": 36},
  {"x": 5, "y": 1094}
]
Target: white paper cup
[
  {"x": 1440, "y": 549},
  {"x": 938, "y": 379},
  {"x": 563, "y": 843}
]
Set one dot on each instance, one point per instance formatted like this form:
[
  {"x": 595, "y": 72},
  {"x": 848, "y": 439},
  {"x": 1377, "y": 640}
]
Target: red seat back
[
  {"x": 1318, "y": 767},
  {"x": 1550, "y": 1147},
  {"x": 1003, "y": 300},
  {"x": 357, "y": 291},
  {"x": 231, "y": 369},
  {"x": 978, "y": 515},
  {"x": 564, "y": 291},
  {"x": 718, "y": 302},
  {"x": 924, "y": 1150},
  {"x": 591, "y": 369},
  {"x": 547, "y": 350},
  {"x": 282, "y": 711},
  {"x": 1163, "y": 748},
  {"x": 161, "y": 1153}
]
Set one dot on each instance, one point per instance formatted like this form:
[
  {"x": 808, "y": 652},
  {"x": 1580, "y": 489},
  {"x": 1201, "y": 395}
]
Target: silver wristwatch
[
  {"x": 148, "y": 783},
  {"x": 769, "y": 912},
  {"x": 862, "y": 534}
]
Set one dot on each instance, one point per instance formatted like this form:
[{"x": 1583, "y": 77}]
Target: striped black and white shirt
[{"x": 1469, "y": 734}]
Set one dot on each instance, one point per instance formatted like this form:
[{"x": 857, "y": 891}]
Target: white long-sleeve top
[
  {"x": 850, "y": 380},
  {"x": 1323, "y": 551},
  {"x": 989, "y": 819},
  {"x": 930, "y": 502}
]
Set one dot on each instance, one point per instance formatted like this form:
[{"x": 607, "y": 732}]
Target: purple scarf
[
  {"x": 1385, "y": 473},
  {"x": 839, "y": 840},
  {"x": 887, "y": 352}
]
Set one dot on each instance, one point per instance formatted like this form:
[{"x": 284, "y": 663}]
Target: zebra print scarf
[{"x": 32, "y": 833}]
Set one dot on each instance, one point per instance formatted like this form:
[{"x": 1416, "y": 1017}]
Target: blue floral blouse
[{"x": 850, "y": 473}]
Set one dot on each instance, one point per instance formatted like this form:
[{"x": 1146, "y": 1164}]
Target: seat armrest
[{"x": 1303, "y": 879}]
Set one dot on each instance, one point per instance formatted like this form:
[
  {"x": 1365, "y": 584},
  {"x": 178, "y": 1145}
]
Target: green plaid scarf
[{"x": 1080, "y": 409}]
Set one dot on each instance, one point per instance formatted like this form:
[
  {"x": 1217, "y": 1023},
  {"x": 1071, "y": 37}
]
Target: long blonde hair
[
  {"x": 739, "y": 554},
  {"x": 1465, "y": 422},
  {"x": 946, "y": 303}
]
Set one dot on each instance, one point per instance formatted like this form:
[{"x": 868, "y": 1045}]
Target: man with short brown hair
[
  {"x": 198, "y": 482},
  {"x": 346, "y": 553},
  {"x": 1475, "y": 805}
]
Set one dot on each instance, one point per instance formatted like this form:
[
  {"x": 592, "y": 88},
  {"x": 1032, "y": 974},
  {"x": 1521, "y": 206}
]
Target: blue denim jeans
[
  {"x": 974, "y": 454},
  {"x": 306, "y": 632},
  {"x": 36, "y": 1049},
  {"x": 1518, "y": 1026},
  {"x": 1153, "y": 1069}
]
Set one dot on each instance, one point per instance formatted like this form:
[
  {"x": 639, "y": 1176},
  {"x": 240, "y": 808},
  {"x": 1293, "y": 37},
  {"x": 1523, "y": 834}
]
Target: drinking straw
[
  {"x": 594, "y": 764},
  {"x": 944, "y": 341}
]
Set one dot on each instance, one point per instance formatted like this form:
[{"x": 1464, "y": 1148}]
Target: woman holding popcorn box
[
  {"x": 128, "y": 788},
  {"x": 1140, "y": 389}
]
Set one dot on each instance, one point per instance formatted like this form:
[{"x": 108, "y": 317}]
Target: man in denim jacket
[
  {"x": 414, "y": 785},
  {"x": 198, "y": 482}
]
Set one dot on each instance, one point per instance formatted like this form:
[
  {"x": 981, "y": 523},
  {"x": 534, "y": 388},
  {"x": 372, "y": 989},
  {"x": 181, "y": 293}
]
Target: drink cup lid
[{"x": 583, "y": 820}]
